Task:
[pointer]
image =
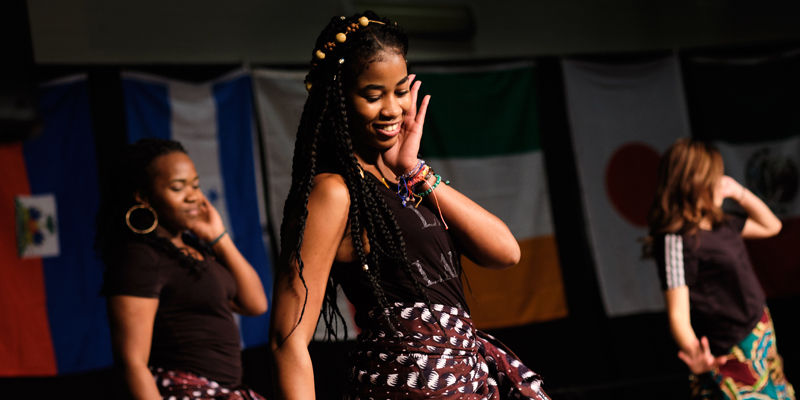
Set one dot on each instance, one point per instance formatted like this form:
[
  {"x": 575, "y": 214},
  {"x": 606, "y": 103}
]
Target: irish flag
[
  {"x": 749, "y": 108},
  {"x": 52, "y": 318},
  {"x": 215, "y": 123},
  {"x": 481, "y": 133}
]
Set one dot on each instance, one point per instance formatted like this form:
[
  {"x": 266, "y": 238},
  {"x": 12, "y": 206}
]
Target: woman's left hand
[
  {"x": 729, "y": 188},
  {"x": 701, "y": 360},
  {"x": 208, "y": 224},
  {"x": 402, "y": 157}
]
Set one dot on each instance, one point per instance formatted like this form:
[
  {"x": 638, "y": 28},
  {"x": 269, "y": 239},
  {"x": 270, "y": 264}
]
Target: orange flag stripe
[{"x": 531, "y": 291}]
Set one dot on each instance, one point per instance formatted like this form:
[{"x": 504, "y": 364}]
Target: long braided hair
[
  {"x": 133, "y": 173},
  {"x": 324, "y": 143}
]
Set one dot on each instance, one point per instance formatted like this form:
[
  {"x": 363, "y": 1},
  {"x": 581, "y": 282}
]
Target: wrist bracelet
[
  {"x": 744, "y": 193},
  {"x": 412, "y": 171},
  {"x": 215, "y": 241},
  {"x": 429, "y": 191}
]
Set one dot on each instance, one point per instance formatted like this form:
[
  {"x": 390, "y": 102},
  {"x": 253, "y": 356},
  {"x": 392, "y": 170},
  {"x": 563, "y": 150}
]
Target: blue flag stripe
[
  {"x": 147, "y": 109},
  {"x": 62, "y": 161},
  {"x": 235, "y": 139}
]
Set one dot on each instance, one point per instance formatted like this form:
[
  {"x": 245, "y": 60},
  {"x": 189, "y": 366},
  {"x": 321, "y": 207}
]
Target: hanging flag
[
  {"x": 748, "y": 108},
  {"x": 52, "y": 318},
  {"x": 482, "y": 134},
  {"x": 281, "y": 96},
  {"x": 214, "y": 122},
  {"x": 623, "y": 117}
]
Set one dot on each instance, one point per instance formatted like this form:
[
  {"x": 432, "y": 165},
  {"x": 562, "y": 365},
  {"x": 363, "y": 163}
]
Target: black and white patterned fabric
[{"x": 417, "y": 359}]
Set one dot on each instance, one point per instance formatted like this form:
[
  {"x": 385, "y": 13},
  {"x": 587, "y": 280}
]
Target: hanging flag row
[{"x": 481, "y": 133}]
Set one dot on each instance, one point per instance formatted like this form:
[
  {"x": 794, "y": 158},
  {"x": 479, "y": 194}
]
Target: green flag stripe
[{"x": 480, "y": 114}]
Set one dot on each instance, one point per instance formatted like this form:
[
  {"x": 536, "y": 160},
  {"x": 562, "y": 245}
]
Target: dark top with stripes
[
  {"x": 725, "y": 297},
  {"x": 194, "y": 329},
  {"x": 435, "y": 261}
]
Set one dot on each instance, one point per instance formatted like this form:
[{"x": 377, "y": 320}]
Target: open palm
[{"x": 402, "y": 157}]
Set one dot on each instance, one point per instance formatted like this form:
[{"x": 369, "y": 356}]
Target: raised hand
[
  {"x": 729, "y": 188},
  {"x": 403, "y": 155},
  {"x": 208, "y": 224}
]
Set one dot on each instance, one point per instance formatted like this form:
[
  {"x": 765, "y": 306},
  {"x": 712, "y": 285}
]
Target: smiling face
[
  {"x": 175, "y": 191},
  {"x": 378, "y": 100}
]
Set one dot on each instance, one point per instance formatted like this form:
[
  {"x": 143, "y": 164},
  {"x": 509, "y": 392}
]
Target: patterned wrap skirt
[
  {"x": 182, "y": 385},
  {"x": 417, "y": 360},
  {"x": 754, "y": 369}
]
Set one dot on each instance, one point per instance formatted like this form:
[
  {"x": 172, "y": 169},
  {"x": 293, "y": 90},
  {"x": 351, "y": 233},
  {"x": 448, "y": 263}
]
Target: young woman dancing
[
  {"x": 717, "y": 309},
  {"x": 171, "y": 295},
  {"x": 366, "y": 213}
]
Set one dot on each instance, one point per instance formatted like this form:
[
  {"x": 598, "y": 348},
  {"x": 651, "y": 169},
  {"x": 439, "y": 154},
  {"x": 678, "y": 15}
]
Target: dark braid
[
  {"x": 323, "y": 138},
  {"x": 133, "y": 172}
]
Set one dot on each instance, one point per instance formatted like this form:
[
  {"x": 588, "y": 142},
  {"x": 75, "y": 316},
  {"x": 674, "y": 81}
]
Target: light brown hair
[{"x": 687, "y": 175}]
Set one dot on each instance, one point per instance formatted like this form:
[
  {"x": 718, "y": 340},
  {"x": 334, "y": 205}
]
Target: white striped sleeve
[{"x": 673, "y": 257}]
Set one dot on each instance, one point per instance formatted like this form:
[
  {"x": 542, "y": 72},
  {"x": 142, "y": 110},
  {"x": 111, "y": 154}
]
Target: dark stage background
[{"x": 584, "y": 356}]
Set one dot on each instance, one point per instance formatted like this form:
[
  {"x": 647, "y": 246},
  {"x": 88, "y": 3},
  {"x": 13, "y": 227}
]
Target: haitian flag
[
  {"x": 52, "y": 318},
  {"x": 748, "y": 106},
  {"x": 214, "y": 122}
]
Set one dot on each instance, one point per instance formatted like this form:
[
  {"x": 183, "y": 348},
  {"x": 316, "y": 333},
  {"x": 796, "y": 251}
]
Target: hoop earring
[{"x": 141, "y": 231}]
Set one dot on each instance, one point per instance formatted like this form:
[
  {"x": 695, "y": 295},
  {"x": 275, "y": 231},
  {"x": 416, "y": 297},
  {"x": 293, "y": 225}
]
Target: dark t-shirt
[
  {"x": 725, "y": 298},
  {"x": 435, "y": 261},
  {"x": 194, "y": 329}
]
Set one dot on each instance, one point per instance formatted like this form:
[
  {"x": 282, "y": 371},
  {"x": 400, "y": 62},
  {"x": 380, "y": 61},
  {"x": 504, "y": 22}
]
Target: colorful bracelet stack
[{"x": 411, "y": 186}]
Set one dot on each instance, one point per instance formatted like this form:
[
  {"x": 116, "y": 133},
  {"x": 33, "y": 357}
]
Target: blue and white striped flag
[{"x": 214, "y": 121}]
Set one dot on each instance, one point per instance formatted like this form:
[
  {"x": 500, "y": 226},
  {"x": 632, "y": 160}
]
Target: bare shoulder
[{"x": 330, "y": 192}]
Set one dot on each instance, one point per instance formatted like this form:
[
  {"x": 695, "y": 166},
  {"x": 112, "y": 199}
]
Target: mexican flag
[
  {"x": 623, "y": 117},
  {"x": 481, "y": 134},
  {"x": 749, "y": 108}
]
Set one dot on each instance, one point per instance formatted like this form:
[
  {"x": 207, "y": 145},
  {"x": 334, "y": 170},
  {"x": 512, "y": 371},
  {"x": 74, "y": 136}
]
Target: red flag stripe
[{"x": 26, "y": 347}]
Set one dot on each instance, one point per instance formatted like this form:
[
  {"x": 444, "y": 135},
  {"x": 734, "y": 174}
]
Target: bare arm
[
  {"x": 695, "y": 352},
  {"x": 131, "y": 321},
  {"x": 328, "y": 207},
  {"x": 487, "y": 240},
  {"x": 677, "y": 301},
  {"x": 250, "y": 298},
  {"x": 761, "y": 222}
]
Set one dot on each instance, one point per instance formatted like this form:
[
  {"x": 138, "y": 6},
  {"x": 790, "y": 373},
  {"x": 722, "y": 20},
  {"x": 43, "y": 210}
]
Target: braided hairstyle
[
  {"x": 324, "y": 142},
  {"x": 133, "y": 173}
]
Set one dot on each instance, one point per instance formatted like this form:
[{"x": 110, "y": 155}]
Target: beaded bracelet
[{"x": 430, "y": 190}]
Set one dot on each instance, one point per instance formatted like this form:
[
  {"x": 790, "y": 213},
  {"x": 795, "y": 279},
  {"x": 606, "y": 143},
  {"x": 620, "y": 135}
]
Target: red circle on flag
[{"x": 631, "y": 176}]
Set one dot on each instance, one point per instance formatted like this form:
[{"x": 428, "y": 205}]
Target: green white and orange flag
[
  {"x": 481, "y": 134},
  {"x": 749, "y": 108}
]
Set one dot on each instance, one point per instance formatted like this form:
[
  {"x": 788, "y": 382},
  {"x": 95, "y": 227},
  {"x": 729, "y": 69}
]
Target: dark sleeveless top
[{"x": 435, "y": 260}]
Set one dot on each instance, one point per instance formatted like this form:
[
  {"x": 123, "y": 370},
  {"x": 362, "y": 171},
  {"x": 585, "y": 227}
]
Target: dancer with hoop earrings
[{"x": 171, "y": 294}]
